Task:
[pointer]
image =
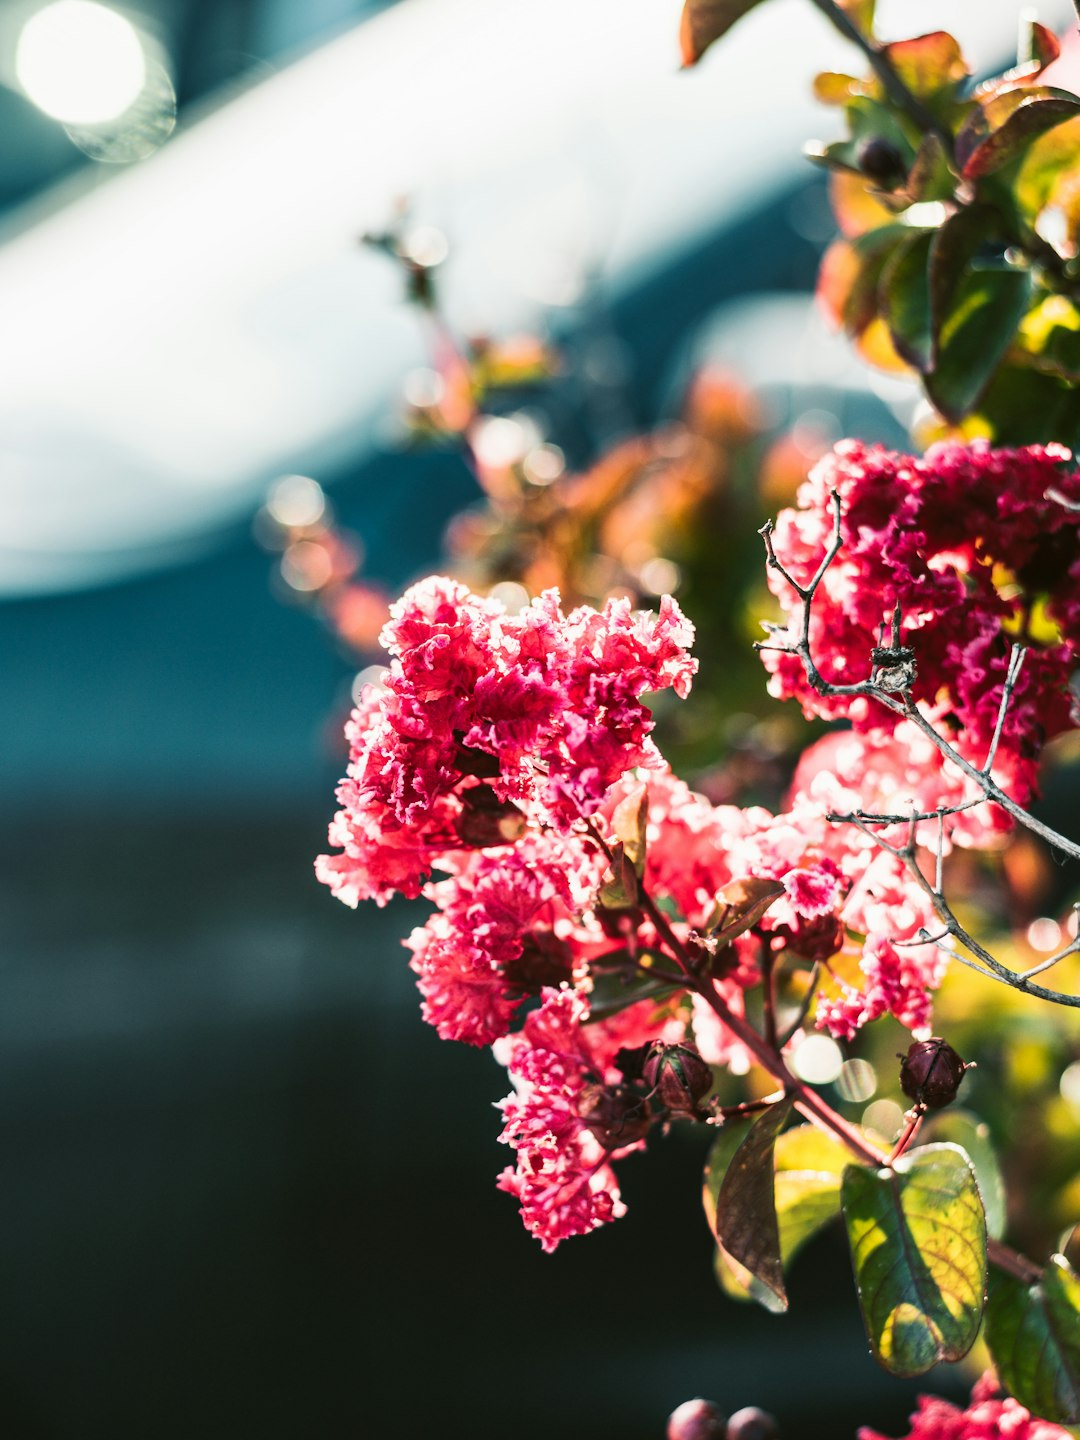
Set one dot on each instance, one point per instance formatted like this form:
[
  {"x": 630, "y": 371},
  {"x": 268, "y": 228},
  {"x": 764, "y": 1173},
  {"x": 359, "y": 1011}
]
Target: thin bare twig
[{"x": 890, "y": 685}]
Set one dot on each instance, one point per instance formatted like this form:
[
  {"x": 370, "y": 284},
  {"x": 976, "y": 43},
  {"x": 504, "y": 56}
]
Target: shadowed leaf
[
  {"x": 746, "y": 1221},
  {"x": 918, "y": 1246},
  {"x": 808, "y": 1167},
  {"x": 904, "y": 297},
  {"x": 1033, "y": 1332}
]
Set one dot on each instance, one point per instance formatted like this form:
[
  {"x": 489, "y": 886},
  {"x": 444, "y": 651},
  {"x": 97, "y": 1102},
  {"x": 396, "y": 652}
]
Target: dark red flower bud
[
  {"x": 813, "y": 940},
  {"x": 751, "y": 1423},
  {"x": 486, "y": 820},
  {"x": 632, "y": 1062},
  {"x": 696, "y": 1420},
  {"x": 679, "y": 1076},
  {"x": 880, "y": 160},
  {"x": 471, "y": 761},
  {"x": 615, "y": 1114},
  {"x": 930, "y": 1073},
  {"x": 545, "y": 959}
]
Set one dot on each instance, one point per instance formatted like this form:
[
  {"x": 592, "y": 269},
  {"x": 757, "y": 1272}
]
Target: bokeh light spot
[
  {"x": 80, "y": 62},
  {"x": 818, "y": 1060}
]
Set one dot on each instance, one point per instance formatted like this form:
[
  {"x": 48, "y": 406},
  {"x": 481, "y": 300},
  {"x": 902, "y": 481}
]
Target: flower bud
[
  {"x": 615, "y": 1114},
  {"x": 814, "y": 940},
  {"x": 751, "y": 1423},
  {"x": 696, "y": 1420},
  {"x": 880, "y": 160},
  {"x": 486, "y": 820},
  {"x": 679, "y": 1076},
  {"x": 545, "y": 959},
  {"x": 930, "y": 1073}
]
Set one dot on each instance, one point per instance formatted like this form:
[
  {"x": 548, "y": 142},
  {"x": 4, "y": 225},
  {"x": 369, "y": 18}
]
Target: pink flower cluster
[
  {"x": 545, "y": 706},
  {"x": 988, "y": 1417},
  {"x": 513, "y": 754},
  {"x": 563, "y": 1179},
  {"x": 977, "y": 552}
]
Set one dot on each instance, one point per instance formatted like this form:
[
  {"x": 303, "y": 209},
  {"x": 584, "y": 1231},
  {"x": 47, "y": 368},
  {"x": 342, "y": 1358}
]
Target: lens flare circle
[{"x": 80, "y": 62}]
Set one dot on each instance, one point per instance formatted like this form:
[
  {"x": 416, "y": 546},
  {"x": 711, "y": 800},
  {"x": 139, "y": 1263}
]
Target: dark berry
[
  {"x": 880, "y": 160},
  {"x": 696, "y": 1420},
  {"x": 751, "y": 1423}
]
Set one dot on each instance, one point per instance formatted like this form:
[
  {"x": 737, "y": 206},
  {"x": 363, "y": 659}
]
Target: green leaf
[
  {"x": 972, "y": 330},
  {"x": 746, "y": 1222},
  {"x": 918, "y": 1245},
  {"x": 999, "y": 129},
  {"x": 904, "y": 299},
  {"x": 1029, "y": 407},
  {"x": 1034, "y": 1337},
  {"x": 740, "y": 905},
  {"x": 972, "y": 1135},
  {"x": 705, "y": 21}
]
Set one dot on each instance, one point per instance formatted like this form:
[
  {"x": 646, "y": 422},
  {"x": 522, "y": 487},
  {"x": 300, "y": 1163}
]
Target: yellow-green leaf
[
  {"x": 972, "y": 1135},
  {"x": 917, "y": 1234}
]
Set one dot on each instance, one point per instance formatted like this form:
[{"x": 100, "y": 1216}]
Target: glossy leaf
[
  {"x": 740, "y": 905},
  {"x": 974, "y": 312},
  {"x": 904, "y": 299},
  {"x": 918, "y": 1245},
  {"x": 746, "y": 1221},
  {"x": 972, "y": 1135},
  {"x": 1033, "y": 1332},
  {"x": 998, "y": 130},
  {"x": 705, "y": 21}
]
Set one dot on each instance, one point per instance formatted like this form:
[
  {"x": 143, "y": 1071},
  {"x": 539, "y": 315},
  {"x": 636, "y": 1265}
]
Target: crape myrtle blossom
[
  {"x": 506, "y": 752},
  {"x": 545, "y": 706},
  {"x": 990, "y": 1416},
  {"x": 976, "y": 553}
]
